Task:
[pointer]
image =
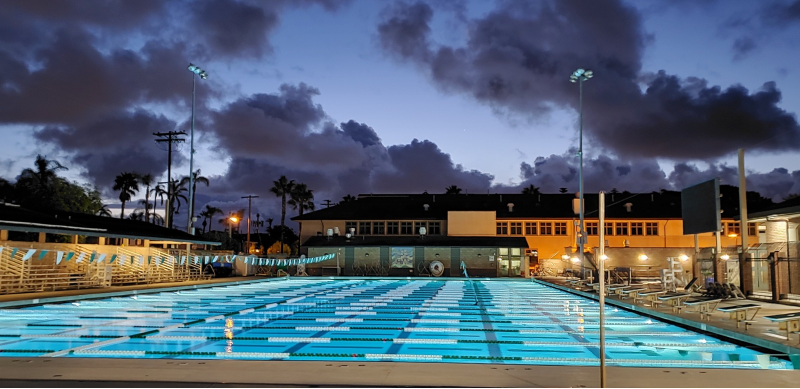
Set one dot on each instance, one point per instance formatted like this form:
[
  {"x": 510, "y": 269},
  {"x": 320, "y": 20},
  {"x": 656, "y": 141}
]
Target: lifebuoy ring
[{"x": 437, "y": 268}]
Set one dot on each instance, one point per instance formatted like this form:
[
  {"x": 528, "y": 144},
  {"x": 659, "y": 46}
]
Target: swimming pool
[{"x": 434, "y": 320}]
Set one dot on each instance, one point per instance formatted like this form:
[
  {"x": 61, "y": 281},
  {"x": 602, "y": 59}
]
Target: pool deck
[{"x": 109, "y": 372}]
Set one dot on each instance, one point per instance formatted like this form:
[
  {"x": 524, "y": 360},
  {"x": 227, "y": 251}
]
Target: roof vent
[
  {"x": 628, "y": 206},
  {"x": 426, "y": 206},
  {"x": 510, "y": 207}
]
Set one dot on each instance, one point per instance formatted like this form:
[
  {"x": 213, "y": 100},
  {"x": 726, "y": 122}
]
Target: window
[
  {"x": 530, "y": 228},
  {"x": 349, "y": 225},
  {"x": 733, "y": 228},
  {"x": 406, "y": 228},
  {"x": 591, "y": 228},
  {"x": 434, "y": 228},
  {"x": 609, "y": 229},
  {"x": 622, "y": 229},
  {"x": 561, "y": 228},
  {"x": 418, "y": 225},
  {"x": 391, "y": 228},
  {"x": 651, "y": 228},
  {"x": 378, "y": 228},
  {"x": 502, "y": 228},
  {"x": 546, "y": 228},
  {"x": 502, "y": 251},
  {"x": 636, "y": 228},
  {"x": 752, "y": 228},
  {"x": 516, "y": 228},
  {"x": 364, "y": 228}
]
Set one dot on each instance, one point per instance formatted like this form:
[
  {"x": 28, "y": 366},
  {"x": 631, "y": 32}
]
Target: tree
[
  {"x": 530, "y": 189},
  {"x": 562, "y": 190},
  {"x": 278, "y": 248},
  {"x": 282, "y": 188},
  {"x": 197, "y": 178},
  {"x": 104, "y": 211},
  {"x": 208, "y": 213},
  {"x": 35, "y": 186},
  {"x": 147, "y": 180},
  {"x": 348, "y": 198},
  {"x": 178, "y": 192},
  {"x": 127, "y": 184},
  {"x": 302, "y": 200},
  {"x": 452, "y": 189},
  {"x": 159, "y": 192}
]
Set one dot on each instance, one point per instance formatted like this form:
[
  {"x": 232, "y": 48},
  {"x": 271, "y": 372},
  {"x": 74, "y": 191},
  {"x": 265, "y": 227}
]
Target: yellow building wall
[
  {"x": 471, "y": 223},
  {"x": 311, "y": 227}
]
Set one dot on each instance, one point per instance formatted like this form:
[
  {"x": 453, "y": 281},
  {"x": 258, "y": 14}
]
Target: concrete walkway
[{"x": 110, "y": 372}]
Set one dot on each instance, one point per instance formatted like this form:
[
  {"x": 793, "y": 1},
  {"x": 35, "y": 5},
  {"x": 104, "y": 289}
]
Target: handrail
[{"x": 463, "y": 266}]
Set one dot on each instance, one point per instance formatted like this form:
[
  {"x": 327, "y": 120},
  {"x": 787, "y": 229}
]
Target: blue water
[{"x": 432, "y": 320}]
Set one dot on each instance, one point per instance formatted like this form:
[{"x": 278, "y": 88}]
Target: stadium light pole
[
  {"x": 579, "y": 76},
  {"x": 196, "y": 71}
]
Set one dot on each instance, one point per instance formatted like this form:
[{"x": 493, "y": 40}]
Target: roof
[
  {"x": 788, "y": 208},
  {"x": 416, "y": 241},
  {"x": 656, "y": 205},
  {"x": 16, "y": 218}
]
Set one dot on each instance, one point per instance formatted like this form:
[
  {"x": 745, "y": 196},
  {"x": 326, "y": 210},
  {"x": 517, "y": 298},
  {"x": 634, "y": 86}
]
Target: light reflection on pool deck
[{"x": 434, "y": 320}]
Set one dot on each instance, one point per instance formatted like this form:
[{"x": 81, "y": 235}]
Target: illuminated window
[
  {"x": 733, "y": 228},
  {"x": 516, "y": 228},
  {"x": 530, "y": 228}
]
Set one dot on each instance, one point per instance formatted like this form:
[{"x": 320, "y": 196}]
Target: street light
[
  {"x": 232, "y": 219},
  {"x": 579, "y": 76},
  {"x": 196, "y": 71}
]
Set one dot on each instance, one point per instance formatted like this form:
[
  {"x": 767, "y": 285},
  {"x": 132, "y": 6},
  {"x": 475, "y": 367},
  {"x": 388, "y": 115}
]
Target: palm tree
[
  {"x": 530, "y": 189},
  {"x": 269, "y": 221},
  {"x": 127, "y": 183},
  {"x": 452, "y": 189},
  {"x": 136, "y": 215},
  {"x": 147, "y": 181},
  {"x": 348, "y": 198},
  {"x": 159, "y": 192},
  {"x": 39, "y": 182},
  {"x": 177, "y": 190},
  {"x": 104, "y": 211},
  {"x": 281, "y": 188},
  {"x": 302, "y": 200},
  {"x": 197, "y": 178},
  {"x": 207, "y": 214}
]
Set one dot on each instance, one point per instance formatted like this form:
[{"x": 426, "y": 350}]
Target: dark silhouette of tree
[
  {"x": 614, "y": 191},
  {"x": 530, "y": 189},
  {"x": 128, "y": 184},
  {"x": 36, "y": 186},
  {"x": 348, "y": 198},
  {"x": 147, "y": 180},
  {"x": 208, "y": 213},
  {"x": 197, "y": 178},
  {"x": 159, "y": 193},
  {"x": 282, "y": 188},
  {"x": 302, "y": 199},
  {"x": 179, "y": 192},
  {"x": 452, "y": 189},
  {"x": 562, "y": 190},
  {"x": 104, "y": 211}
]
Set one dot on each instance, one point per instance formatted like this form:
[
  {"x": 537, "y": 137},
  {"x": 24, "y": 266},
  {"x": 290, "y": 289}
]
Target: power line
[{"x": 170, "y": 137}]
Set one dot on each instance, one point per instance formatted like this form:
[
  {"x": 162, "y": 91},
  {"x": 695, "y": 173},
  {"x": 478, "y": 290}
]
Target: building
[{"x": 503, "y": 235}]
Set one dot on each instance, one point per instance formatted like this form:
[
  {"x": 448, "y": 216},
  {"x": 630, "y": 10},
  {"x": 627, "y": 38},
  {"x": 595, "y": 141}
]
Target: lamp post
[
  {"x": 196, "y": 71},
  {"x": 579, "y": 76}
]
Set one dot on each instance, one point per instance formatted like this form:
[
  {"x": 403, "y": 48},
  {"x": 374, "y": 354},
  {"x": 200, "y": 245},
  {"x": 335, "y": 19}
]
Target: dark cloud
[
  {"x": 234, "y": 27},
  {"x": 781, "y": 13},
  {"x": 517, "y": 60},
  {"x": 114, "y": 144},
  {"x": 743, "y": 46},
  {"x": 361, "y": 133}
]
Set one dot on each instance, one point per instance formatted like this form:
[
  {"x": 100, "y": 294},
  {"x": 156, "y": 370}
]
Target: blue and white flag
[
  {"x": 80, "y": 258},
  {"x": 28, "y": 255},
  {"x": 59, "y": 255}
]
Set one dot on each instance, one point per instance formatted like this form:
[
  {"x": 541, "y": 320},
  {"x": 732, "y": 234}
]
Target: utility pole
[
  {"x": 327, "y": 203},
  {"x": 170, "y": 137},
  {"x": 249, "y": 205}
]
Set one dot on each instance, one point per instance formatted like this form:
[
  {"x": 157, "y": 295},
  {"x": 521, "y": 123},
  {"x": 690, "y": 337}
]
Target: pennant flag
[
  {"x": 14, "y": 252},
  {"x": 101, "y": 257},
  {"x": 59, "y": 255},
  {"x": 233, "y": 258},
  {"x": 80, "y": 258},
  {"x": 113, "y": 257},
  {"x": 208, "y": 259},
  {"x": 1, "y": 249},
  {"x": 149, "y": 259},
  {"x": 69, "y": 255},
  {"x": 183, "y": 259},
  {"x": 141, "y": 260},
  {"x": 91, "y": 258},
  {"x": 216, "y": 258},
  {"x": 28, "y": 255},
  {"x": 42, "y": 254},
  {"x": 196, "y": 259}
]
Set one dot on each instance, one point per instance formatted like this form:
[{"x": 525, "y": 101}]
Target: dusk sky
[{"x": 368, "y": 96}]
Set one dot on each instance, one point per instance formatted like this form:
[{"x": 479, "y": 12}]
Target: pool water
[{"x": 434, "y": 320}]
